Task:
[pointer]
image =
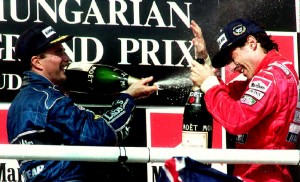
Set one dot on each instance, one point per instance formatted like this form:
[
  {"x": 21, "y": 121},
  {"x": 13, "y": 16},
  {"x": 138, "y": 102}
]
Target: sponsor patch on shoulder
[
  {"x": 255, "y": 93},
  {"x": 246, "y": 99},
  {"x": 260, "y": 83},
  {"x": 282, "y": 67}
]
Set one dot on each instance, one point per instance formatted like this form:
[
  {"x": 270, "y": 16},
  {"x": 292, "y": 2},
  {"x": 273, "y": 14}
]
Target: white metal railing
[{"x": 146, "y": 154}]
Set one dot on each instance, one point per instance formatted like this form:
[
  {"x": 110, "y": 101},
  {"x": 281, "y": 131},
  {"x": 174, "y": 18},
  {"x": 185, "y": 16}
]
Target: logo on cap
[
  {"x": 48, "y": 31},
  {"x": 238, "y": 30},
  {"x": 222, "y": 40}
]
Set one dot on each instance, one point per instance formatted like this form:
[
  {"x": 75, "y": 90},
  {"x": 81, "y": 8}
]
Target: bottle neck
[{"x": 195, "y": 88}]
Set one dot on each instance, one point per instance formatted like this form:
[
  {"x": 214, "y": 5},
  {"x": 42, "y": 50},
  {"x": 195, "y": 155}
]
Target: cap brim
[
  {"x": 221, "y": 59},
  {"x": 61, "y": 39}
]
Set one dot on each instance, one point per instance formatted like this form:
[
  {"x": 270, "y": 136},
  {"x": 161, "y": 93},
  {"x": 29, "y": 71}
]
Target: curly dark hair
[{"x": 266, "y": 42}]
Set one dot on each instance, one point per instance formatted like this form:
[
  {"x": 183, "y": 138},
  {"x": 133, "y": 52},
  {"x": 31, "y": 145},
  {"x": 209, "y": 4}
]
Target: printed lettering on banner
[
  {"x": 9, "y": 168},
  {"x": 164, "y": 129}
]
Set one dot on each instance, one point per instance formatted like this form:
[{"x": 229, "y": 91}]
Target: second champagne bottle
[
  {"x": 97, "y": 78},
  {"x": 197, "y": 121}
]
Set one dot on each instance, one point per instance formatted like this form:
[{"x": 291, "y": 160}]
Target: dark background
[{"x": 211, "y": 15}]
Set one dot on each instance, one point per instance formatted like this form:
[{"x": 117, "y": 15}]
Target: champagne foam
[{"x": 180, "y": 83}]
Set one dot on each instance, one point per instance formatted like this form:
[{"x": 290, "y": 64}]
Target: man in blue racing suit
[{"x": 42, "y": 114}]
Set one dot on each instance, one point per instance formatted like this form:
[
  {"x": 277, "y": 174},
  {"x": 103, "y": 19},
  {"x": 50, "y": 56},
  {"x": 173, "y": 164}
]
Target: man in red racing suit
[{"x": 259, "y": 110}]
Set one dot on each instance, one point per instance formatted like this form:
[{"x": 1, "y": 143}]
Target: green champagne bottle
[{"x": 97, "y": 78}]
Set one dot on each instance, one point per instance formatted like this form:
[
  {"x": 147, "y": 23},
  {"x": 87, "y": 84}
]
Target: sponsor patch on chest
[
  {"x": 246, "y": 99},
  {"x": 260, "y": 84},
  {"x": 255, "y": 93}
]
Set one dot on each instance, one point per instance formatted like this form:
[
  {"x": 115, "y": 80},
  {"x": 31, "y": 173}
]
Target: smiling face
[
  {"x": 242, "y": 61},
  {"x": 246, "y": 58},
  {"x": 52, "y": 63}
]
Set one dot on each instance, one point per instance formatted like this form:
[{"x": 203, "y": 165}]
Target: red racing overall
[{"x": 260, "y": 112}]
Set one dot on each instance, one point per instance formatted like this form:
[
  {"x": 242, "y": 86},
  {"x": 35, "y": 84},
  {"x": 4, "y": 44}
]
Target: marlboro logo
[{"x": 259, "y": 83}]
